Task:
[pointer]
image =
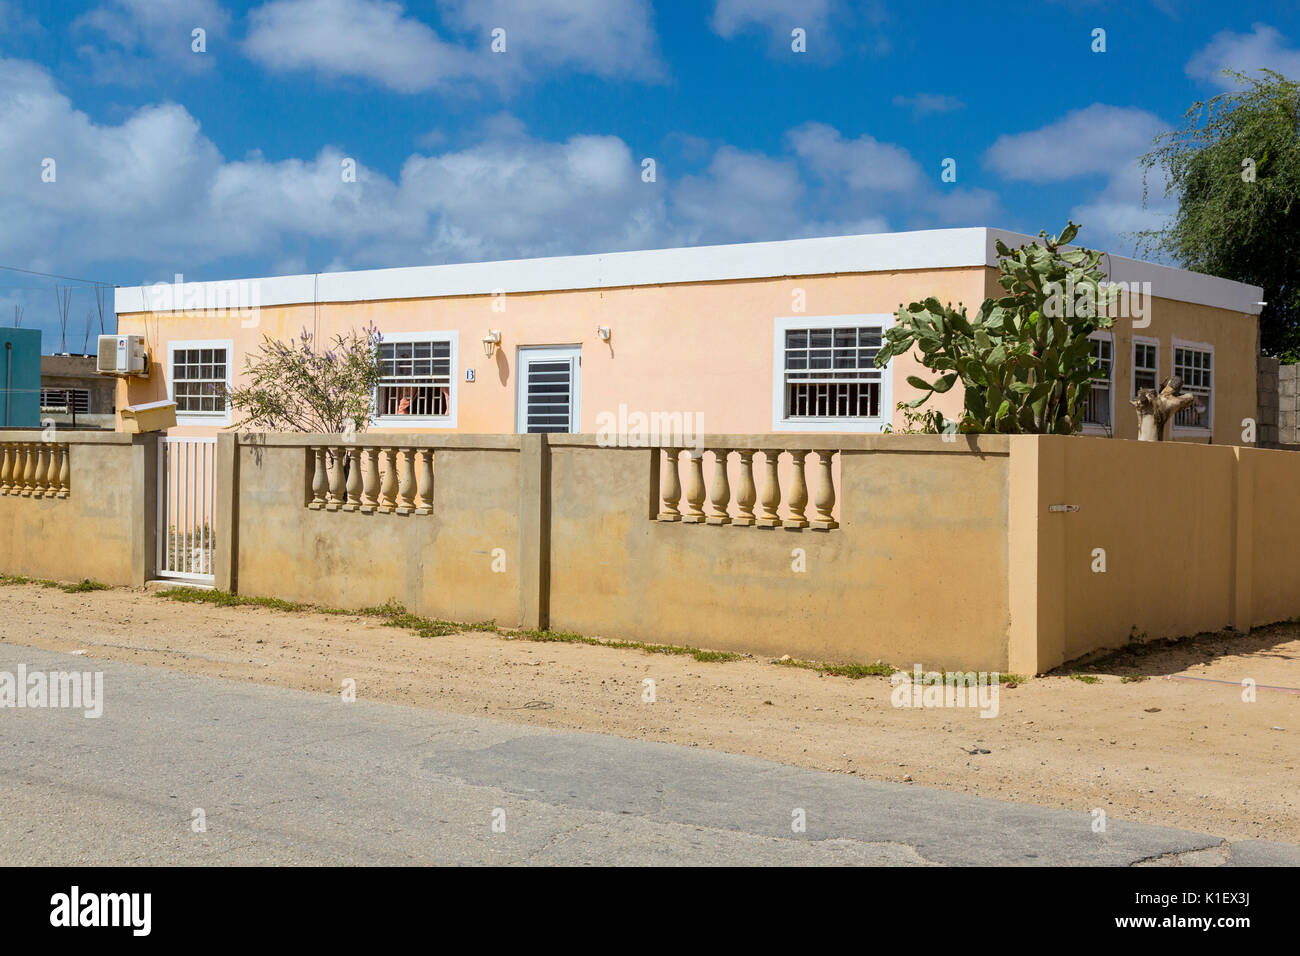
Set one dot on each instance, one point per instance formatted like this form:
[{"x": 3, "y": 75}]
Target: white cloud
[
  {"x": 1096, "y": 140},
  {"x": 604, "y": 37},
  {"x": 1263, "y": 48},
  {"x": 15, "y": 22},
  {"x": 371, "y": 39},
  {"x": 1103, "y": 141},
  {"x": 378, "y": 40},
  {"x": 154, "y": 190},
  {"x": 864, "y": 178},
  {"x": 779, "y": 17},
  {"x": 131, "y": 33},
  {"x": 862, "y": 164}
]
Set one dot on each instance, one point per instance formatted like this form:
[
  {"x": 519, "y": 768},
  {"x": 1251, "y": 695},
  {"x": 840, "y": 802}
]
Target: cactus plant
[{"x": 1024, "y": 359}]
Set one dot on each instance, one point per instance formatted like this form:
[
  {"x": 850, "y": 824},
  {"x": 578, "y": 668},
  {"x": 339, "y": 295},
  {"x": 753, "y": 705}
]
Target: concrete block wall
[{"x": 1288, "y": 404}]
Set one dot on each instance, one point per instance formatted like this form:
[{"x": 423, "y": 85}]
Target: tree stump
[{"x": 1154, "y": 411}]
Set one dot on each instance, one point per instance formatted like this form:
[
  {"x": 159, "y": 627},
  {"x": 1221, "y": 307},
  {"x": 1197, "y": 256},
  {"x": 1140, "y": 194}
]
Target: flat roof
[{"x": 832, "y": 255}]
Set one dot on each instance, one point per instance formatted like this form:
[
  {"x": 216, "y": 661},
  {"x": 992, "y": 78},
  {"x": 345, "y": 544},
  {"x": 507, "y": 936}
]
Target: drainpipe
[{"x": 9, "y": 377}]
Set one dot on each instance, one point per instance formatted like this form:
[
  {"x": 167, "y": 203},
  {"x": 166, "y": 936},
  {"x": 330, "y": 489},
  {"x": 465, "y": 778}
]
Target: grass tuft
[{"x": 393, "y": 614}]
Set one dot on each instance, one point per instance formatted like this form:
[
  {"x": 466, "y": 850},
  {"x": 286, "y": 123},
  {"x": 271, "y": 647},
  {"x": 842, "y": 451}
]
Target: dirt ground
[{"x": 1170, "y": 750}]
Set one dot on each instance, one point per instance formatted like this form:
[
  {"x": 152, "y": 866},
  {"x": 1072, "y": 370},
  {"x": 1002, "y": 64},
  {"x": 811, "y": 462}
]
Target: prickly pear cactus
[{"x": 1024, "y": 359}]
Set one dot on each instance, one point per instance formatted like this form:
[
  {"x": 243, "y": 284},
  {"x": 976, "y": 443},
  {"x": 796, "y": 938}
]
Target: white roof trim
[{"x": 883, "y": 252}]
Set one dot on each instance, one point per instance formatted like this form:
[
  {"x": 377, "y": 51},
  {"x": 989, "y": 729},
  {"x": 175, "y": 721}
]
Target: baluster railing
[
  {"x": 720, "y": 498},
  {"x": 388, "y": 486},
  {"x": 319, "y": 481},
  {"x": 65, "y": 471},
  {"x": 29, "y": 472},
  {"x": 35, "y": 469},
  {"x": 352, "y": 490},
  {"x": 424, "y": 483},
  {"x": 771, "y": 501},
  {"x": 745, "y": 492},
  {"x": 335, "y": 466},
  {"x": 20, "y": 470},
  {"x": 694, "y": 488},
  {"x": 824, "y": 519},
  {"x": 406, "y": 483},
  {"x": 671, "y": 491},
  {"x": 370, "y": 482},
  {"x": 798, "y": 492},
  {"x": 42, "y": 471}
]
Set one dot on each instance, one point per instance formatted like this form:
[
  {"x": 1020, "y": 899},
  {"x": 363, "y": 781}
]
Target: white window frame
[
  {"x": 1091, "y": 428},
  {"x": 453, "y": 397},
  {"x": 1199, "y": 430},
  {"x": 525, "y": 354},
  {"x": 1132, "y": 357},
  {"x": 215, "y": 419},
  {"x": 784, "y": 324}
]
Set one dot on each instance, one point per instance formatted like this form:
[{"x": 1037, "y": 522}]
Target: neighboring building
[
  {"x": 20, "y": 378},
  {"x": 74, "y": 394},
  {"x": 755, "y": 338}
]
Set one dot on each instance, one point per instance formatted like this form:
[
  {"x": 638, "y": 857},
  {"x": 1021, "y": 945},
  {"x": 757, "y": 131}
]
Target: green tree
[
  {"x": 1024, "y": 360},
  {"x": 1234, "y": 165},
  {"x": 295, "y": 387}
]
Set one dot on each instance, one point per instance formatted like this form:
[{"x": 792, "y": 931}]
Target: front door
[{"x": 549, "y": 388}]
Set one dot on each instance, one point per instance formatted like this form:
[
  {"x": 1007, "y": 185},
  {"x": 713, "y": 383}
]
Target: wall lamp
[
  {"x": 491, "y": 341},
  {"x": 604, "y": 332}
]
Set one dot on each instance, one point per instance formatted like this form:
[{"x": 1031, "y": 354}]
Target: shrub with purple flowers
[{"x": 298, "y": 387}]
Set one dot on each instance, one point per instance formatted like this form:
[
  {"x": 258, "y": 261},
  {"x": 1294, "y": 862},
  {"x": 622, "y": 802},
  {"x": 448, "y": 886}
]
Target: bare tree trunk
[{"x": 1154, "y": 411}]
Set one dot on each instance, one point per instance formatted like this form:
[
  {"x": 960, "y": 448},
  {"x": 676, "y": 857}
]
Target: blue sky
[{"x": 229, "y": 162}]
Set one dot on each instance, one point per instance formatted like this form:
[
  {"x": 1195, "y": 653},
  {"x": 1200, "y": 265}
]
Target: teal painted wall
[{"x": 20, "y": 378}]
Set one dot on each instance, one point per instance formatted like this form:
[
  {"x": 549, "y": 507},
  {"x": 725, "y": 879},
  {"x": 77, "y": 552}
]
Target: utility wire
[{"x": 52, "y": 275}]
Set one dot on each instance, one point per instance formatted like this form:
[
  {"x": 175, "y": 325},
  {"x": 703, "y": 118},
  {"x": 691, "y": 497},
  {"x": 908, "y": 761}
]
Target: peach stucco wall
[{"x": 705, "y": 348}]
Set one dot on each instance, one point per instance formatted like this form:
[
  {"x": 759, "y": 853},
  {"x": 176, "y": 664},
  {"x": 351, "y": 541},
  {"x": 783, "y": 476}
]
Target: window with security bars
[
  {"x": 1146, "y": 366},
  {"x": 199, "y": 380},
  {"x": 1097, "y": 409},
  {"x": 830, "y": 373},
  {"x": 1195, "y": 368},
  {"x": 73, "y": 399},
  {"x": 415, "y": 378}
]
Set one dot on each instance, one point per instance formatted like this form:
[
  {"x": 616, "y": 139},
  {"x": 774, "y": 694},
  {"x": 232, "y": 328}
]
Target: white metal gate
[{"x": 186, "y": 493}]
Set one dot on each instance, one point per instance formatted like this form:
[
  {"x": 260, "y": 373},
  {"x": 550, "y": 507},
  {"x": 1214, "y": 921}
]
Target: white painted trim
[
  {"x": 214, "y": 419},
  {"x": 1132, "y": 362},
  {"x": 1201, "y": 430},
  {"x": 882, "y": 252},
  {"x": 525, "y": 354},
  {"x": 780, "y": 423},
  {"x": 453, "y": 397}
]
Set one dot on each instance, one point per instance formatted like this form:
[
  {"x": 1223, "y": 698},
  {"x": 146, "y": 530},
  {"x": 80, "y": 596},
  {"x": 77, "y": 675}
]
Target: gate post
[
  {"x": 144, "y": 480},
  {"x": 225, "y": 502}
]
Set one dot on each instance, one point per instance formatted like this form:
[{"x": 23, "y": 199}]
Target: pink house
[{"x": 753, "y": 338}]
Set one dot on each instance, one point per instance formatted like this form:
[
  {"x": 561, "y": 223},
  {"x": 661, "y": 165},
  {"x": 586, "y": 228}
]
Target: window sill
[
  {"x": 413, "y": 421},
  {"x": 827, "y": 425},
  {"x": 191, "y": 419}
]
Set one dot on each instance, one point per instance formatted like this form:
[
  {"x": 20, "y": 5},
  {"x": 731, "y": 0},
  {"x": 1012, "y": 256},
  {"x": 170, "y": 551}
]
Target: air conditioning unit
[{"x": 122, "y": 355}]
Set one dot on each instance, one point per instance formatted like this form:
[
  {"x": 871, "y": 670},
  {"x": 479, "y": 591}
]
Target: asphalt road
[{"x": 286, "y": 777}]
